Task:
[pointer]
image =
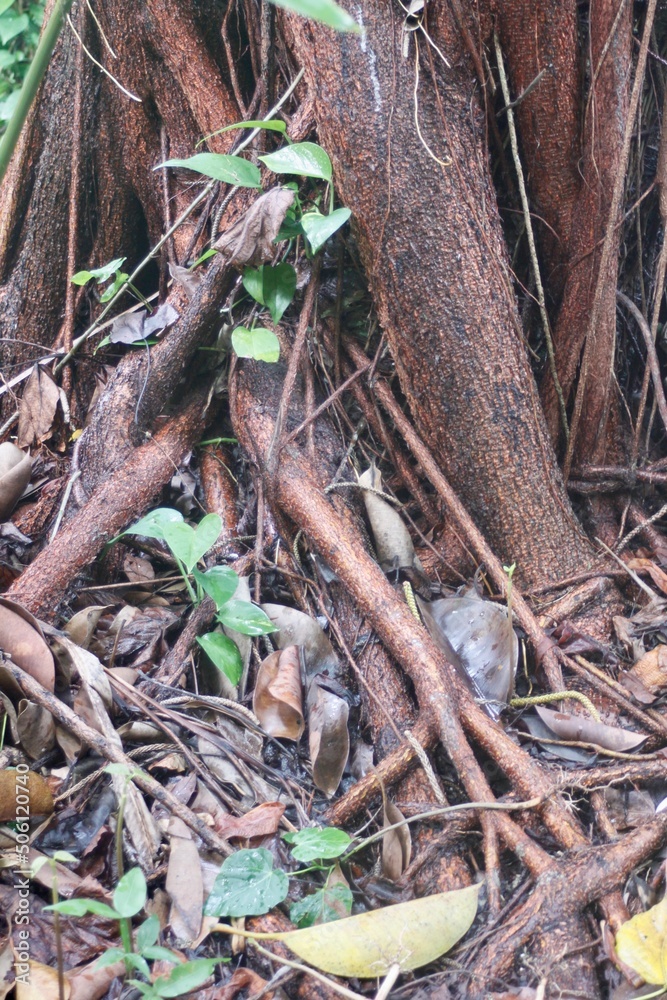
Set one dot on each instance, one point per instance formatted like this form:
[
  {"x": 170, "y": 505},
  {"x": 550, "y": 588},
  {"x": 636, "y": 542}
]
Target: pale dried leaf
[
  {"x": 81, "y": 626},
  {"x": 393, "y": 544},
  {"x": 581, "y": 729},
  {"x": 184, "y": 883},
  {"x": 298, "y": 629},
  {"x": 15, "y": 470},
  {"x": 483, "y": 640},
  {"x": 30, "y": 783},
  {"x": 250, "y": 240},
  {"x": 89, "y": 982},
  {"x": 37, "y": 408},
  {"x": 329, "y": 738},
  {"x": 658, "y": 575},
  {"x": 41, "y": 981},
  {"x": 21, "y": 640},
  {"x": 131, "y": 327},
  {"x": 277, "y": 701},
  {"x": 396, "y": 844},
  {"x": 262, "y": 821},
  {"x": 651, "y": 670},
  {"x": 187, "y": 279}
]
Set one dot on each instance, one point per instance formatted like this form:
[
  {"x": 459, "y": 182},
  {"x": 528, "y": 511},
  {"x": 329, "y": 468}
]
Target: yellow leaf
[
  {"x": 367, "y": 945},
  {"x": 642, "y": 944}
]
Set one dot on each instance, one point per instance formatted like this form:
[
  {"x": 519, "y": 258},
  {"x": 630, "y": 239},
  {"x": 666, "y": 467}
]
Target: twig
[{"x": 651, "y": 355}]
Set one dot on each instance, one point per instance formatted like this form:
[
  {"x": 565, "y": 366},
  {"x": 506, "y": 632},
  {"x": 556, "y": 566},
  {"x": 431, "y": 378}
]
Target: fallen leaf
[
  {"x": 396, "y": 844},
  {"x": 92, "y": 982},
  {"x": 36, "y": 729},
  {"x": 277, "y": 698},
  {"x": 628, "y": 808},
  {"x": 17, "y": 784},
  {"x": 15, "y": 470},
  {"x": 298, "y": 629},
  {"x": 187, "y": 279},
  {"x": 21, "y": 639},
  {"x": 658, "y": 575},
  {"x": 37, "y": 408},
  {"x": 641, "y": 943},
  {"x": 366, "y": 945},
  {"x": 131, "y": 327},
  {"x": 485, "y": 644},
  {"x": 393, "y": 544},
  {"x": 581, "y": 729},
  {"x": 651, "y": 670},
  {"x": 262, "y": 821},
  {"x": 184, "y": 883},
  {"x": 328, "y": 735},
  {"x": 250, "y": 240},
  {"x": 39, "y": 982}
]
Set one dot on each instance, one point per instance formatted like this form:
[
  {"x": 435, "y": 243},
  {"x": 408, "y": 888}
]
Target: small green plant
[
  {"x": 129, "y": 899},
  {"x": 274, "y": 286},
  {"x": 248, "y": 884},
  {"x": 188, "y": 545},
  {"x": 105, "y": 274}
]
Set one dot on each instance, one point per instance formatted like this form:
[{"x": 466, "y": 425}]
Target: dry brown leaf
[
  {"x": 15, "y": 470},
  {"x": 81, "y": 626},
  {"x": 658, "y": 575},
  {"x": 184, "y": 883},
  {"x": 329, "y": 738},
  {"x": 37, "y": 408},
  {"x": 187, "y": 279},
  {"x": 89, "y": 982},
  {"x": 277, "y": 699},
  {"x": 628, "y": 808},
  {"x": 40, "y": 983},
  {"x": 396, "y": 844},
  {"x": 581, "y": 729},
  {"x": 21, "y": 639},
  {"x": 36, "y": 729},
  {"x": 298, "y": 629},
  {"x": 651, "y": 670},
  {"x": 14, "y": 784},
  {"x": 393, "y": 544},
  {"x": 250, "y": 240},
  {"x": 262, "y": 821}
]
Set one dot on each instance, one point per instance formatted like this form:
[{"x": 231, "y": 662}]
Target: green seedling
[{"x": 188, "y": 545}]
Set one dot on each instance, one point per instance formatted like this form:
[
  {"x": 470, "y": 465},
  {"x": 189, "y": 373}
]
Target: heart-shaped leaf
[
  {"x": 306, "y": 159},
  {"x": 221, "y": 167},
  {"x": 315, "y": 842},
  {"x": 242, "y": 616},
  {"x": 219, "y": 582},
  {"x": 259, "y": 343},
  {"x": 318, "y": 228},
  {"x": 153, "y": 524},
  {"x": 247, "y": 885},
  {"x": 189, "y": 544},
  {"x": 271, "y": 286},
  {"x": 224, "y": 654}
]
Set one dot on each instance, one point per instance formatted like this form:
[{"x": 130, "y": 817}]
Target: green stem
[
  {"x": 58, "y": 934},
  {"x": 33, "y": 79}
]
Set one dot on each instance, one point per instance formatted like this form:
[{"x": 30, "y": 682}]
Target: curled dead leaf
[
  {"x": 298, "y": 629},
  {"x": 277, "y": 699},
  {"x": 22, "y": 640},
  {"x": 396, "y": 844},
  {"x": 651, "y": 670},
  {"x": 328, "y": 735},
  {"x": 250, "y": 240},
  {"x": 393, "y": 544},
  {"x": 37, "y": 409},
  {"x": 15, "y": 470},
  {"x": 262, "y": 821},
  {"x": 582, "y": 729}
]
